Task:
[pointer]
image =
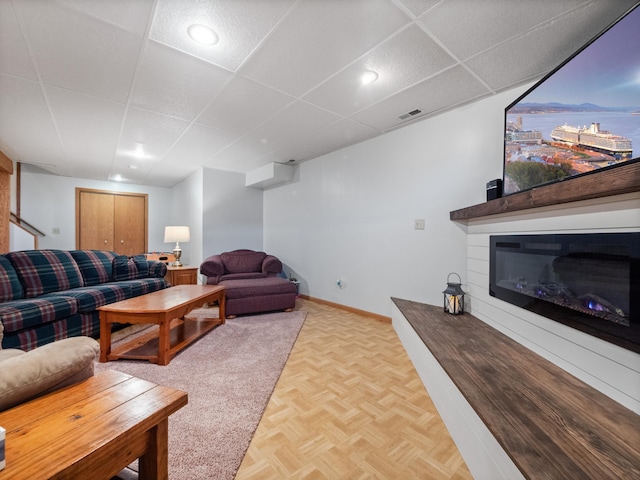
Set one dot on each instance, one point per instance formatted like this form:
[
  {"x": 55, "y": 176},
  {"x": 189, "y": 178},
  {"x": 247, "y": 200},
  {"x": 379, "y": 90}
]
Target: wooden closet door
[
  {"x": 111, "y": 221},
  {"x": 95, "y": 220},
  {"x": 130, "y": 227}
]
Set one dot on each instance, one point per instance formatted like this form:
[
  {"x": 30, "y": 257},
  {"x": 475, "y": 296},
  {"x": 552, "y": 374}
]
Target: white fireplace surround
[{"x": 610, "y": 369}]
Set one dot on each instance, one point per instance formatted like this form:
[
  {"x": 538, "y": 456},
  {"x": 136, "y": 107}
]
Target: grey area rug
[{"x": 229, "y": 375}]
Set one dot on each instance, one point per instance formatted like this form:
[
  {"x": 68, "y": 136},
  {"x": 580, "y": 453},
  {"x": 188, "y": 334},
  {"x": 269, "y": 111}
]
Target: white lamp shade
[{"x": 176, "y": 234}]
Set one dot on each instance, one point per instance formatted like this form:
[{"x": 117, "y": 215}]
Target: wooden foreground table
[
  {"x": 166, "y": 308},
  {"x": 93, "y": 430}
]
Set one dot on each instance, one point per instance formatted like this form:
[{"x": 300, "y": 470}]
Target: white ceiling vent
[
  {"x": 270, "y": 175},
  {"x": 410, "y": 114}
]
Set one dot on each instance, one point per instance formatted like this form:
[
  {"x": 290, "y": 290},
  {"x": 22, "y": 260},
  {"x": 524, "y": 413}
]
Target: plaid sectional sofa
[{"x": 47, "y": 295}]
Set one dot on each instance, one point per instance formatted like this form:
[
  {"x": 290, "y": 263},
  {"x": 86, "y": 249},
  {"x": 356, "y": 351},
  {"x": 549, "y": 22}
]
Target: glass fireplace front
[{"x": 587, "y": 281}]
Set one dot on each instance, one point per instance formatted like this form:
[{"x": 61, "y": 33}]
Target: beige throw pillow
[{"x": 26, "y": 375}]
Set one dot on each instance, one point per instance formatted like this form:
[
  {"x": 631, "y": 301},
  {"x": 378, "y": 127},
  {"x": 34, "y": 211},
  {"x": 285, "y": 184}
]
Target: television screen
[{"x": 583, "y": 116}]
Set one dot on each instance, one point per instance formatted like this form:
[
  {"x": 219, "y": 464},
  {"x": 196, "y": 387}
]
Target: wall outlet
[
  {"x": 55, "y": 231},
  {"x": 418, "y": 224}
]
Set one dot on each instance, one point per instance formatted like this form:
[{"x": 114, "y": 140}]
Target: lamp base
[{"x": 177, "y": 252}]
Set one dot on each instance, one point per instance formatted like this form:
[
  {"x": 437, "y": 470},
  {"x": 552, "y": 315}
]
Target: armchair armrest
[
  {"x": 271, "y": 266},
  {"x": 213, "y": 268}
]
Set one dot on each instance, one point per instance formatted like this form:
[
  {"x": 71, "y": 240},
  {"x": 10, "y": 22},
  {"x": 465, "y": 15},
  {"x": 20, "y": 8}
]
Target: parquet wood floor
[{"x": 350, "y": 405}]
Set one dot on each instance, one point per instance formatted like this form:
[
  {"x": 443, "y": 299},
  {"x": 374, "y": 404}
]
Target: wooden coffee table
[
  {"x": 92, "y": 429},
  {"x": 168, "y": 309}
]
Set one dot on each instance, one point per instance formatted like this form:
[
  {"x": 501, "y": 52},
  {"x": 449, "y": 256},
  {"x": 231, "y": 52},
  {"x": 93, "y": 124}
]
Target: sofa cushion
[
  {"x": 242, "y": 261},
  {"x": 45, "y": 369},
  {"x": 45, "y": 271},
  {"x": 90, "y": 298},
  {"x": 80, "y": 324},
  {"x": 20, "y": 314},
  {"x": 96, "y": 266},
  {"x": 10, "y": 286},
  {"x": 129, "y": 268},
  {"x": 141, "y": 286}
]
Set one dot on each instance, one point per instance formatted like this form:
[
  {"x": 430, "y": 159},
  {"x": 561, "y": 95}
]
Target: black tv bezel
[{"x": 535, "y": 86}]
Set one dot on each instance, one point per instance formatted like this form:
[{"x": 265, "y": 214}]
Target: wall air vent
[{"x": 410, "y": 114}]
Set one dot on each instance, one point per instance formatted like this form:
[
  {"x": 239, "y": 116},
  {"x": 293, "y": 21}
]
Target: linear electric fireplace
[{"x": 590, "y": 282}]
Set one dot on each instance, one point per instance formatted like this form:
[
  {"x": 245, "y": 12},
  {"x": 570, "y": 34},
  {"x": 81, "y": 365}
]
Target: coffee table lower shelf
[
  {"x": 167, "y": 309},
  {"x": 183, "y": 332}
]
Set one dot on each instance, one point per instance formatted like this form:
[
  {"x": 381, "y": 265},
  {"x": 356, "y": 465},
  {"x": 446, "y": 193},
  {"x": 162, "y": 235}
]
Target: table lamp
[{"x": 176, "y": 234}]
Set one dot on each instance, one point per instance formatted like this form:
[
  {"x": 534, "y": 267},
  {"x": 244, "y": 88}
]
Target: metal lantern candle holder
[{"x": 453, "y": 296}]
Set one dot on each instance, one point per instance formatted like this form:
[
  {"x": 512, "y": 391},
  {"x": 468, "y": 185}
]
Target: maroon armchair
[{"x": 251, "y": 282}]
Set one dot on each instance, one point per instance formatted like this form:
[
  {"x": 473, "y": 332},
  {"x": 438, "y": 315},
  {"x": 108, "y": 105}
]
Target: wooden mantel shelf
[{"x": 608, "y": 182}]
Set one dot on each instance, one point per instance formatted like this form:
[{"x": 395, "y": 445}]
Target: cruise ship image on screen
[{"x": 593, "y": 138}]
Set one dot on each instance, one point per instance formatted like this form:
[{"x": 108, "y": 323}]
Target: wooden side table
[
  {"x": 181, "y": 275},
  {"x": 92, "y": 429}
]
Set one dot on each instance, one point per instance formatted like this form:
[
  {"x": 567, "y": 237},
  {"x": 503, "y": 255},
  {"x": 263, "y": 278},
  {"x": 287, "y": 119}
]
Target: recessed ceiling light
[
  {"x": 368, "y": 77},
  {"x": 202, "y": 34},
  {"x": 117, "y": 177},
  {"x": 139, "y": 151}
]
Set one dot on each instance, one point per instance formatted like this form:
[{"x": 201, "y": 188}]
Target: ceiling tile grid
[{"x": 92, "y": 88}]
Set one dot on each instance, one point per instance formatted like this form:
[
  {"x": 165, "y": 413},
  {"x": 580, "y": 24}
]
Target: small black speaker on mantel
[{"x": 494, "y": 189}]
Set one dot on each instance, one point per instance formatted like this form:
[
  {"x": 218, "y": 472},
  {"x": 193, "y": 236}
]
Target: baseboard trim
[{"x": 364, "y": 313}]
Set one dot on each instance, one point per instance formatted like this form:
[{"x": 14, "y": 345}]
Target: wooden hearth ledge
[{"x": 551, "y": 424}]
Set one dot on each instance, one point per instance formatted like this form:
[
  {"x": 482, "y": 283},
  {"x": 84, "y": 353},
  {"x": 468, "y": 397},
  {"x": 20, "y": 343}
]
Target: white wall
[
  {"x": 232, "y": 213},
  {"x": 186, "y": 209},
  {"x": 351, "y": 213},
  {"x": 48, "y": 201}
]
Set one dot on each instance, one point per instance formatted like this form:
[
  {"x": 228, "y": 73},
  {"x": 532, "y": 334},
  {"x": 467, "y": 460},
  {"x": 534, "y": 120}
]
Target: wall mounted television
[{"x": 582, "y": 117}]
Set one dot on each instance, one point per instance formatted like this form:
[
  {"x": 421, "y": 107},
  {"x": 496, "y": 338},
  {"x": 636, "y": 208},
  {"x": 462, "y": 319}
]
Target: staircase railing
[{"x": 26, "y": 227}]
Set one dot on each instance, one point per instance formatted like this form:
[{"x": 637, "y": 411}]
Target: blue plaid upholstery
[
  {"x": 124, "y": 268},
  {"x": 10, "y": 286},
  {"x": 96, "y": 266},
  {"x": 48, "y": 295},
  {"x": 157, "y": 269},
  {"x": 45, "y": 271},
  {"x": 142, "y": 265},
  {"x": 76, "y": 325},
  {"x": 141, "y": 286},
  {"x": 90, "y": 298},
  {"x": 20, "y": 314}
]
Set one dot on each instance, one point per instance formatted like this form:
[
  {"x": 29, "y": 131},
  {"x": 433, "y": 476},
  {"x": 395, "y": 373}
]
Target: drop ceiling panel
[
  {"x": 155, "y": 133},
  {"x": 175, "y": 84},
  {"x": 109, "y": 77},
  {"x": 242, "y": 156},
  {"x": 546, "y": 46},
  {"x": 453, "y": 87},
  {"x": 133, "y": 16},
  {"x": 314, "y": 41},
  {"x": 14, "y": 54},
  {"x": 36, "y": 142},
  {"x": 81, "y": 53},
  {"x": 197, "y": 146},
  {"x": 241, "y": 25},
  {"x": 20, "y": 98},
  {"x": 292, "y": 122},
  {"x": 243, "y": 105},
  {"x": 88, "y": 126},
  {"x": 407, "y": 58},
  {"x": 337, "y": 135},
  {"x": 418, "y": 7},
  {"x": 480, "y": 27}
]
